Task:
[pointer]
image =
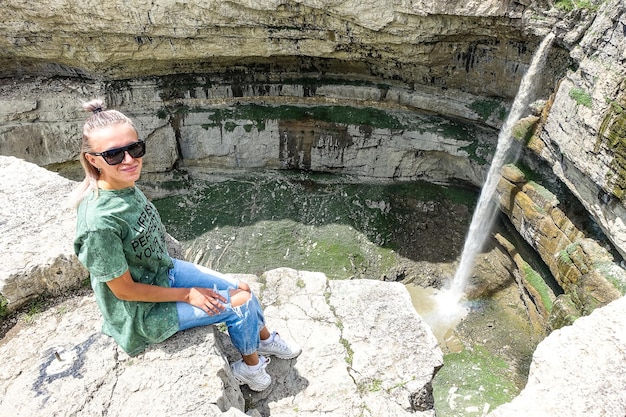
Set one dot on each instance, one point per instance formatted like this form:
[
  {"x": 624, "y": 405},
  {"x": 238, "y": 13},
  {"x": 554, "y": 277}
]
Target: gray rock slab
[
  {"x": 365, "y": 352},
  {"x": 578, "y": 370},
  {"x": 37, "y": 227}
]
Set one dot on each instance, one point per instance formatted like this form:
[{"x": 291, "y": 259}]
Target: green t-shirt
[{"x": 119, "y": 230}]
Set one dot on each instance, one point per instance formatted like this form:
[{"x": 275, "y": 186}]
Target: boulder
[
  {"x": 36, "y": 234},
  {"x": 578, "y": 370}
]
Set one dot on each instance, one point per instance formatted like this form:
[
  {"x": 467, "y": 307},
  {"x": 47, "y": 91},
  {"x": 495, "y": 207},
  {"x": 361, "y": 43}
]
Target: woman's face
[{"x": 123, "y": 175}]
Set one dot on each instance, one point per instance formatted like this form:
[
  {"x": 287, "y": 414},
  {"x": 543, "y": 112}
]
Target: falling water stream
[{"x": 448, "y": 305}]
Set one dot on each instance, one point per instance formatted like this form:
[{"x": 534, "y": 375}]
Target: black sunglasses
[{"x": 116, "y": 156}]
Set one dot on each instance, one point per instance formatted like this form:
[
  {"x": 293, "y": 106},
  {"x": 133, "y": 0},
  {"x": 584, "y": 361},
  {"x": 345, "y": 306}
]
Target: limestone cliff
[
  {"x": 475, "y": 46},
  {"x": 396, "y": 90},
  {"x": 375, "y": 89},
  {"x": 584, "y": 269},
  {"x": 583, "y": 136}
]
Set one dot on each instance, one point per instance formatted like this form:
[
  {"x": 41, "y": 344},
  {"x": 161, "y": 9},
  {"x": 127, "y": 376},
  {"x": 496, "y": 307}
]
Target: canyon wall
[
  {"x": 403, "y": 91},
  {"x": 472, "y": 46},
  {"x": 392, "y": 90}
]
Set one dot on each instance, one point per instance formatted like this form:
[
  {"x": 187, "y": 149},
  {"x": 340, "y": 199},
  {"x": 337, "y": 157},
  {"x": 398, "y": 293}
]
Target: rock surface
[
  {"x": 210, "y": 131},
  {"x": 586, "y": 271},
  {"x": 577, "y": 370},
  {"x": 409, "y": 41},
  {"x": 583, "y": 136},
  {"x": 36, "y": 234},
  {"x": 365, "y": 352}
]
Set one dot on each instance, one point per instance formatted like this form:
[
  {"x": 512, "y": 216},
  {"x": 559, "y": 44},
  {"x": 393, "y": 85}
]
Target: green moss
[
  {"x": 569, "y": 5},
  {"x": 523, "y": 130},
  {"x": 374, "y": 385},
  {"x": 503, "y": 114},
  {"x": 229, "y": 126},
  {"x": 529, "y": 173},
  {"x": 34, "y": 309},
  {"x": 472, "y": 378},
  {"x": 563, "y": 258},
  {"x": 336, "y": 114},
  {"x": 345, "y": 230},
  {"x": 581, "y": 97},
  {"x": 4, "y": 307},
  {"x": 535, "y": 280},
  {"x": 485, "y": 108},
  {"x": 612, "y": 132},
  {"x": 577, "y": 255},
  {"x": 616, "y": 107},
  {"x": 473, "y": 149},
  {"x": 613, "y": 274},
  {"x": 565, "y": 312},
  {"x": 542, "y": 191},
  {"x": 349, "y": 352},
  {"x": 162, "y": 113}
]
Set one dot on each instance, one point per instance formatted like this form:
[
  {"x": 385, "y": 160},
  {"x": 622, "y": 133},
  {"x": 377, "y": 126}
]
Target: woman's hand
[{"x": 206, "y": 299}]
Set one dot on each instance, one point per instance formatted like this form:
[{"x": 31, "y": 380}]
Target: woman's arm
[{"x": 124, "y": 288}]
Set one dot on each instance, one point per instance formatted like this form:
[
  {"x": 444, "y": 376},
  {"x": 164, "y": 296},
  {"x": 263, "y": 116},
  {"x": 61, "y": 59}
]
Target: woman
[{"x": 144, "y": 295}]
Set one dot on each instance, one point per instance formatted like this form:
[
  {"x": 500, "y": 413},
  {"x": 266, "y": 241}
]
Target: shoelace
[
  {"x": 278, "y": 341},
  {"x": 265, "y": 361}
]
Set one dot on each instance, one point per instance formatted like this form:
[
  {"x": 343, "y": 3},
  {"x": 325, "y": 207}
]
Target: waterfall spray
[{"x": 449, "y": 300}]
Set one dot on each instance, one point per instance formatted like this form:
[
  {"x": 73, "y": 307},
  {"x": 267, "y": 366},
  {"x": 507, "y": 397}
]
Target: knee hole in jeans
[{"x": 239, "y": 297}]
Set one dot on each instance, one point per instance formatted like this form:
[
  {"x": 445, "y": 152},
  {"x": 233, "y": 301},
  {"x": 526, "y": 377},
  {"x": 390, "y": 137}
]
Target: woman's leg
[
  {"x": 242, "y": 315},
  {"x": 186, "y": 275}
]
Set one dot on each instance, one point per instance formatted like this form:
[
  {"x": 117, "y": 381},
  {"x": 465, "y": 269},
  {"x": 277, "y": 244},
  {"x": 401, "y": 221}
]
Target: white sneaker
[
  {"x": 279, "y": 347},
  {"x": 257, "y": 380}
]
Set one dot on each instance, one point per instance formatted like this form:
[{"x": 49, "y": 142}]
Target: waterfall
[{"x": 449, "y": 300}]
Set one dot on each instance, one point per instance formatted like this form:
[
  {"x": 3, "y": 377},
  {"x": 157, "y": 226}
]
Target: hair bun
[{"x": 94, "y": 106}]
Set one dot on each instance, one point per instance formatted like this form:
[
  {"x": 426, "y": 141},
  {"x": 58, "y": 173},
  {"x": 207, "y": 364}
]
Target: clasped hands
[{"x": 210, "y": 301}]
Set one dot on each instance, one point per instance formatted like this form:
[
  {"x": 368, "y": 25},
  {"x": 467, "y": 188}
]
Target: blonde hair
[{"x": 99, "y": 119}]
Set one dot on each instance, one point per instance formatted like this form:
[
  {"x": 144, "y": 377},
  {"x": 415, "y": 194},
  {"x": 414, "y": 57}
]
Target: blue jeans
[{"x": 243, "y": 322}]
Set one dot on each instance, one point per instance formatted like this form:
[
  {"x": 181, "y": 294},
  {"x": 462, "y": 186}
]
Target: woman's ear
[{"x": 92, "y": 160}]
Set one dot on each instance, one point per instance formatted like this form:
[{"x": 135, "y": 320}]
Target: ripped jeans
[{"x": 243, "y": 322}]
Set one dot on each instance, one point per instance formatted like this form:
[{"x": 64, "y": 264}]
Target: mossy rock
[{"x": 564, "y": 312}]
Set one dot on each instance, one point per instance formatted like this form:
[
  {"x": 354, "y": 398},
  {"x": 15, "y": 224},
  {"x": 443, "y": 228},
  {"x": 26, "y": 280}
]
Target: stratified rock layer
[
  {"x": 582, "y": 137},
  {"x": 477, "y": 46},
  {"x": 587, "y": 272}
]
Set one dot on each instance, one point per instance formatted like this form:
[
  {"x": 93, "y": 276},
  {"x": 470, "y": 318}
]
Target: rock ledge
[{"x": 365, "y": 352}]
